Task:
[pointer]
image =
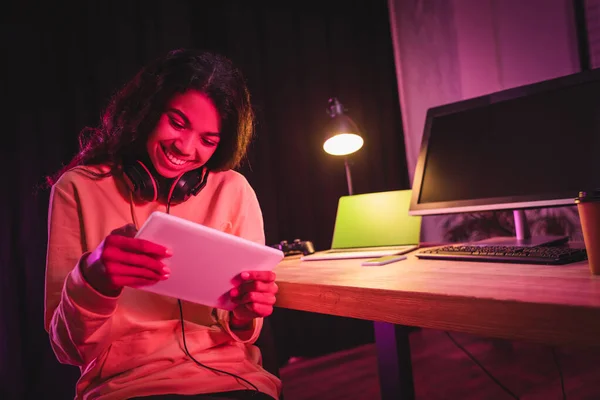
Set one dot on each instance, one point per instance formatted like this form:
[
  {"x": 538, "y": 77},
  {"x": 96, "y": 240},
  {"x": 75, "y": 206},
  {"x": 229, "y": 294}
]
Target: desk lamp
[{"x": 342, "y": 136}]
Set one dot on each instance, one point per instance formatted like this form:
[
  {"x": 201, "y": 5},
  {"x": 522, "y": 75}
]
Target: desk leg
[{"x": 393, "y": 357}]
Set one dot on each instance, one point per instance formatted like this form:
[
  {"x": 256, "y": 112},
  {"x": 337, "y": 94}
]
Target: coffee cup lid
[{"x": 592, "y": 195}]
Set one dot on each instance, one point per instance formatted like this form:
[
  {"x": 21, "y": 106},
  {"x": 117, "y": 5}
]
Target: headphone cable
[
  {"x": 187, "y": 352},
  {"x": 185, "y": 348}
]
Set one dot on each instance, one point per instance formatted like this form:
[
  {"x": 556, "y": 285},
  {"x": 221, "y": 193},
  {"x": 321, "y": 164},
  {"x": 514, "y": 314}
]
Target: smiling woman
[
  {"x": 167, "y": 142},
  {"x": 186, "y": 136}
]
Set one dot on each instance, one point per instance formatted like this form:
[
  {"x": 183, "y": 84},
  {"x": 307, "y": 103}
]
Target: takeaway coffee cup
[{"x": 588, "y": 205}]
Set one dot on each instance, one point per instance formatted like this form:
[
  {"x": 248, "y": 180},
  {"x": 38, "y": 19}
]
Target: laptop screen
[{"x": 375, "y": 219}]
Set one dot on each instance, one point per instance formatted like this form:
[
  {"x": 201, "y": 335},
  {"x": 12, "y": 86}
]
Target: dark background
[{"x": 62, "y": 62}]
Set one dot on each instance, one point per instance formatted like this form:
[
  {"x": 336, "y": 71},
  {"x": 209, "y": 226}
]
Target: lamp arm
[{"x": 348, "y": 176}]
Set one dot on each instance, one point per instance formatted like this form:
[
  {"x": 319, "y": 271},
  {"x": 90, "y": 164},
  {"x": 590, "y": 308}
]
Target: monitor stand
[{"x": 523, "y": 237}]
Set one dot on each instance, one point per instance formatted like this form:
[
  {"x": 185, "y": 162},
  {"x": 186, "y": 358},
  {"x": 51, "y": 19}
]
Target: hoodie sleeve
[
  {"x": 248, "y": 224},
  {"x": 77, "y": 317}
]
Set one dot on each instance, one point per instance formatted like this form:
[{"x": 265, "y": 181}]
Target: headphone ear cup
[
  {"x": 187, "y": 185},
  {"x": 140, "y": 181}
]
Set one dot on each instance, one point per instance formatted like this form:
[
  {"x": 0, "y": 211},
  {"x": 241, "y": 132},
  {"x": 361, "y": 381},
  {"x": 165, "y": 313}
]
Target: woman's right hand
[{"x": 122, "y": 260}]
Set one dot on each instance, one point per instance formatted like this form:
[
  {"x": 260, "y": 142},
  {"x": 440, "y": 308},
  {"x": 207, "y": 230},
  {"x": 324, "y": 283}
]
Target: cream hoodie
[{"x": 131, "y": 345}]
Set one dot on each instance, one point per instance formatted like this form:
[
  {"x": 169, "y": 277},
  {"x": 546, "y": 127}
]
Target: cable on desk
[{"x": 507, "y": 390}]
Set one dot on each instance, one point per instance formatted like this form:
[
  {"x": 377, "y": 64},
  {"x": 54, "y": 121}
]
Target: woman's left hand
[{"x": 254, "y": 296}]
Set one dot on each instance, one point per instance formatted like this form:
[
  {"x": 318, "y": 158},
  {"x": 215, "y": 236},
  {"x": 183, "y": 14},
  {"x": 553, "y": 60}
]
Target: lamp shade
[{"x": 342, "y": 135}]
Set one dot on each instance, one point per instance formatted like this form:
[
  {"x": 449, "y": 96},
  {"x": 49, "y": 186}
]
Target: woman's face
[{"x": 186, "y": 135}]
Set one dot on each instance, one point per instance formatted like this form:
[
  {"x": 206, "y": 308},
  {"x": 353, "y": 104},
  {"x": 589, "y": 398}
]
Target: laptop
[{"x": 372, "y": 225}]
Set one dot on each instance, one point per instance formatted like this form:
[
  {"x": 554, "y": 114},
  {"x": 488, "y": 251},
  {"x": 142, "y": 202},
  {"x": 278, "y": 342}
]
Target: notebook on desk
[{"x": 372, "y": 225}]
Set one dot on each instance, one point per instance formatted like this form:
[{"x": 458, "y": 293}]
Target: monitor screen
[{"x": 532, "y": 146}]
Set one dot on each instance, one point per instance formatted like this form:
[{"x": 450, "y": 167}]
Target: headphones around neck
[{"x": 147, "y": 185}]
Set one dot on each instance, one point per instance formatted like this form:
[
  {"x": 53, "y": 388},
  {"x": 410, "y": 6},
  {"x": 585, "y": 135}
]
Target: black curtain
[{"x": 62, "y": 63}]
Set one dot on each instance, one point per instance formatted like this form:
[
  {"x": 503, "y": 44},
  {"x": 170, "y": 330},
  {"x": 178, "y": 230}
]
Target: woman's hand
[
  {"x": 122, "y": 260},
  {"x": 254, "y": 296}
]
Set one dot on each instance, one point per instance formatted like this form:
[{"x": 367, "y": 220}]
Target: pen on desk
[{"x": 384, "y": 260}]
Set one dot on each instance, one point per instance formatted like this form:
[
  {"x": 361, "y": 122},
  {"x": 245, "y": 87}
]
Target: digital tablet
[{"x": 205, "y": 261}]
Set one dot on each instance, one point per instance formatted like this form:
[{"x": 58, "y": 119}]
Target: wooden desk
[{"x": 553, "y": 305}]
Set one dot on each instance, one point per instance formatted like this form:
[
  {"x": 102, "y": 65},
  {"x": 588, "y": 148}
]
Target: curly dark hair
[{"x": 134, "y": 111}]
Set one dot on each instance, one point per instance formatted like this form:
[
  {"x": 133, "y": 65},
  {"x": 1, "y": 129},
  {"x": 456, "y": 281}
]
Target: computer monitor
[{"x": 528, "y": 147}]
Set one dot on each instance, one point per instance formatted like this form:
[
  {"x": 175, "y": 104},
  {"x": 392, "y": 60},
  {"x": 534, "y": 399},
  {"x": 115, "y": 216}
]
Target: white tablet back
[{"x": 205, "y": 261}]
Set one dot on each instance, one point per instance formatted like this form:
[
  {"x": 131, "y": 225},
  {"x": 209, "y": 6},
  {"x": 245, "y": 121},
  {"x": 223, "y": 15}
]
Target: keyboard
[{"x": 550, "y": 255}]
